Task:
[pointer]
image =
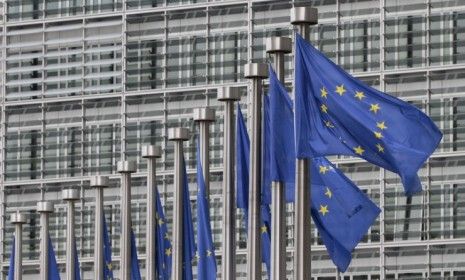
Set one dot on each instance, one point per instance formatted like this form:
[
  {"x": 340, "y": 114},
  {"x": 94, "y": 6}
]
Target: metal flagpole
[
  {"x": 204, "y": 116},
  {"x": 303, "y": 17},
  {"x": 151, "y": 153},
  {"x": 178, "y": 135},
  {"x": 44, "y": 208},
  {"x": 256, "y": 72},
  {"x": 126, "y": 168},
  {"x": 18, "y": 220},
  {"x": 70, "y": 195},
  {"x": 99, "y": 183},
  {"x": 228, "y": 260},
  {"x": 277, "y": 47}
]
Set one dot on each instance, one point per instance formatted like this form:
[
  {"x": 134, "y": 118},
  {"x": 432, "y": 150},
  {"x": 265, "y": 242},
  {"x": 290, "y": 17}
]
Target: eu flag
[
  {"x": 206, "y": 266},
  {"x": 53, "y": 272},
  {"x": 77, "y": 270},
  {"x": 336, "y": 113},
  {"x": 11, "y": 269},
  {"x": 341, "y": 212},
  {"x": 188, "y": 229},
  {"x": 163, "y": 256},
  {"x": 135, "y": 272},
  {"x": 107, "y": 269}
]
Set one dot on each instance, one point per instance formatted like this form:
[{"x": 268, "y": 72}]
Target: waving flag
[
  {"x": 135, "y": 271},
  {"x": 338, "y": 114},
  {"x": 53, "y": 272},
  {"x": 206, "y": 251},
  {"x": 77, "y": 270},
  {"x": 108, "y": 269},
  {"x": 163, "y": 259},
  {"x": 188, "y": 229},
  {"x": 11, "y": 269}
]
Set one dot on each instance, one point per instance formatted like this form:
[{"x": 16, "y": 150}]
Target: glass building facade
[{"x": 86, "y": 83}]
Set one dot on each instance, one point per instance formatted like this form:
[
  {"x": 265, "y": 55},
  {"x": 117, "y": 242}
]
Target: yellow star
[
  {"x": 209, "y": 253},
  {"x": 359, "y": 95},
  {"x": 329, "y": 124},
  {"x": 378, "y": 134},
  {"x": 359, "y": 150},
  {"x": 324, "y": 108},
  {"x": 380, "y": 148},
  {"x": 374, "y": 108},
  {"x": 160, "y": 222},
  {"x": 381, "y": 125},
  {"x": 110, "y": 267},
  {"x": 324, "y": 93},
  {"x": 340, "y": 90},
  {"x": 323, "y": 209},
  {"x": 168, "y": 252},
  {"x": 167, "y": 236},
  {"x": 328, "y": 192},
  {"x": 323, "y": 169},
  {"x": 263, "y": 229}
]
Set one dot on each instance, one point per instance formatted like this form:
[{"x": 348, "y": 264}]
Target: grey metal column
[
  {"x": 99, "y": 183},
  {"x": 256, "y": 72},
  {"x": 277, "y": 47},
  {"x": 228, "y": 260},
  {"x": 204, "y": 116},
  {"x": 178, "y": 135},
  {"x": 303, "y": 17},
  {"x": 18, "y": 220},
  {"x": 126, "y": 168},
  {"x": 151, "y": 153},
  {"x": 44, "y": 208},
  {"x": 70, "y": 196}
]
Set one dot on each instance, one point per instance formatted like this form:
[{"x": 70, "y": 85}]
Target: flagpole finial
[
  {"x": 178, "y": 134},
  {"x": 255, "y": 70},
  {"x": 151, "y": 151},
  {"x": 229, "y": 94},
  {"x": 304, "y": 15},
  {"x": 126, "y": 166},
  {"x": 204, "y": 114},
  {"x": 45, "y": 207},
  {"x": 99, "y": 181},
  {"x": 18, "y": 218},
  {"x": 278, "y": 45},
  {"x": 70, "y": 194}
]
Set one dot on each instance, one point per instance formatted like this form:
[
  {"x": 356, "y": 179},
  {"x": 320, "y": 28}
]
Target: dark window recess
[
  {"x": 34, "y": 152},
  {"x": 32, "y": 233},
  {"x": 410, "y": 41}
]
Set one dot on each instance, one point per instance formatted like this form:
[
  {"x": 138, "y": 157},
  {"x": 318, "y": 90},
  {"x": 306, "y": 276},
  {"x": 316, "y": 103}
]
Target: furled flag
[
  {"x": 53, "y": 272},
  {"x": 206, "y": 266},
  {"x": 11, "y": 269},
  {"x": 336, "y": 113},
  {"x": 107, "y": 269},
  {"x": 188, "y": 229},
  {"x": 135, "y": 271},
  {"x": 163, "y": 256},
  {"x": 242, "y": 185},
  {"x": 341, "y": 212},
  {"x": 77, "y": 270}
]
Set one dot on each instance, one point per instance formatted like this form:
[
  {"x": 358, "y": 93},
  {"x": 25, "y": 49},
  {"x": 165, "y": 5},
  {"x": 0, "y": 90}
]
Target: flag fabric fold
[
  {"x": 188, "y": 229},
  {"x": 53, "y": 272},
  {"x": 163, "y": 259},
  {"x": 108, "y": 268},
  {"x": 135, "y": 271},
  {"x": 77, "y": 270},
  {"x": 11, "y": 268},
  {"x": 336, "y": 114},
  {"x": 206, "y": 267}
]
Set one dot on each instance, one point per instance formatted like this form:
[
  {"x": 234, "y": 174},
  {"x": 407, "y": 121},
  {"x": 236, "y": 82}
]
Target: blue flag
[
  {"x": 108, "y": 268},
  {"x": 77, "y": 270},
  {"x": 163, "y": 256},
  {"x": 11, "y": 269},
  {"x": 206, "y": 251},
  {"x": 53, "y": 272},
  {"x": 341, "y": 212},
  {"x": 242, "y": 184},
  {"x": 336, "y": 114},
  {"x": 188, "y": 230},
  {"x": 135, "y": 272}
]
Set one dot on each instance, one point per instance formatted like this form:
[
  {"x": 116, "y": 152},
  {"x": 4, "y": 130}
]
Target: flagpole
[
  {"x": 204, "y": 117},
  {"x": 126, "y": 168},
  {"x": 151, "y": 153},
  {"x": 99, "y": 183},
  {"x": 178, "y": 135},
  {"x": 277, "y": 47},
  {"x": 228, "y": 95},
  {"x": 302, "y": 18},
  {"x": 255, "y": 72},
  {"x": 44, "y": 208},
  {"x": 18, "y": 220},
  {"x": 70, "y": 196}
]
